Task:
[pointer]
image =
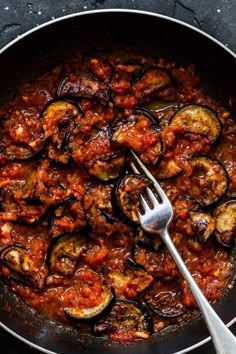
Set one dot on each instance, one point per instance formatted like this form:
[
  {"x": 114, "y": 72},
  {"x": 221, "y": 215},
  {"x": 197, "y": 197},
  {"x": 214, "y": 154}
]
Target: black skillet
[{"x": 41, "y": 49}]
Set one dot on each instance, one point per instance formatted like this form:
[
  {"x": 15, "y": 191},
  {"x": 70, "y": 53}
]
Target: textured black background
[{"x": 216, "y": 17}]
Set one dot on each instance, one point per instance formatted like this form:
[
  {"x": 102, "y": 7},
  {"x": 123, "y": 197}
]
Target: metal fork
[{"x": 156, "y": 219}]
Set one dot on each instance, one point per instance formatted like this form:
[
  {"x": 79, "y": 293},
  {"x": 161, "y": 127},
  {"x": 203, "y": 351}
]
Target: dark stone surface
[{"x": 214, "y": 17}]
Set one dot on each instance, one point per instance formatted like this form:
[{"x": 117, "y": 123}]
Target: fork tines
[{"x": 142, "y": 169}]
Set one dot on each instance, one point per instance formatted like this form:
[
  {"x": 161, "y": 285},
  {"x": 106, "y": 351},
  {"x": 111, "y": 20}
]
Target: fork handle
[{"x": 224, "y": 341}]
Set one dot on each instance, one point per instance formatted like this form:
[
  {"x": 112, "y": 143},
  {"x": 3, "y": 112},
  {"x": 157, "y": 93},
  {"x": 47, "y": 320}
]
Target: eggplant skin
[
  {"x": 154, "y": 261},
  {"x": 71, "y": 209},
  {"x": 96, "y": 312},
  {"x": 18, "y": 260},
  {"x": 64, "y": 252},
  {"x": 198, "y": 119},
  {"x": 13, "y": 150},
  {"x": 154, "y": 79},
  {"x": 107, "y": 168},
  {"x": 152, "y": 242},
  {"x": 203, "y": 224},
  {"x": 131, "y": 277},
  {"x": 225, "y": 219},
  {"x": 149, "y": 115},
  {"x": 125, "y": 196},
  {"x": 127, "y": 319},
  {"x": 59, "y": 118},
  {"x": 57, "y": 113},
  {"x": 83, "y": 84},
  {"x": 141, "y": 133},
  {"x": 100, "y": 157},
  {"x": 209, "y": 180},
  {"x": 98, "y": 208},
  {"x": 167, "y": 169},
  {"x": 167, "y": 304}
]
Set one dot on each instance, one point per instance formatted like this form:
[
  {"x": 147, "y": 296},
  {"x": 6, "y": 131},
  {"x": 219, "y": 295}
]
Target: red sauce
[{"x": 45, "y": 185}]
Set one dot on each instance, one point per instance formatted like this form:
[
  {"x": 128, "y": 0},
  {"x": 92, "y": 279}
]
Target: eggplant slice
[
  {"x": 149, "y": 241},
  {"x": 121, "y": 83},
  {"x": 64, "y": 253},
  {"x": 92, "y": 313},
  {"x": 198, "y": 119},
  {"x": 128, "y": 282},
  {"x": 148, "y": 114},
  {"x": 209, "y": 180},
  {"x": 19, "y": 199},
  {"x": 57, "y": 114},
  {"x": 127, "y": 321},
  {"x": 203, "y": 224},
  {"x": 140, "y": 133},
  {"x": 19, "y": 139},
  {"x": 191, "y": 203},
  {"x": 157, "y": 263},
  {"x": 126, "y": 196},
  {"x": 66, "y": 217},
  {"x": 108, "y": 167},
  {"x": 101, "y": 159},
  {"x": 98, "y": 208},
  {"x": 84, "y": 84},
  {"x": 167, "y": 304},
  {"x": 225, "y": 218},
  {"x": 58, "y": 120},
  {"x": 167, "y": 168},
  {"x": 18, "y": 260},
  {"x": 26, "y": 211},
  {"x": 154, "y": 79},
  {"x": 100, "y": 214}
]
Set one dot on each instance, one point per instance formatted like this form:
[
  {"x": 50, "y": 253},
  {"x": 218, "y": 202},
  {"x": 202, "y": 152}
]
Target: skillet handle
[{"x": 224, "y": 341}]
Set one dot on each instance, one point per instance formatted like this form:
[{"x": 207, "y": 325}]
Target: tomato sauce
[{"x": 65, "y": 142}]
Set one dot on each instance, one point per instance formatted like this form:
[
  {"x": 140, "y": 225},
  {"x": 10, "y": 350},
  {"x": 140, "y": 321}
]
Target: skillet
[{"x": 50, "y": 44}]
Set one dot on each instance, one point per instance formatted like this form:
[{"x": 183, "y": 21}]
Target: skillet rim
[
  {"x": 113, "y": 10},
  {"x": 141, "y": 12}
]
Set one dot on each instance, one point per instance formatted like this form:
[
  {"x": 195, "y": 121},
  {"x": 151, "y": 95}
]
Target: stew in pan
[{"x": 70, "y": 241}]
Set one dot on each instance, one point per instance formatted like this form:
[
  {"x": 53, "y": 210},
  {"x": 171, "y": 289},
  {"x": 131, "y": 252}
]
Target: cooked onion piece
[
  {"x": 65, "y": 217},
  {"x": 168, "y": 169}
]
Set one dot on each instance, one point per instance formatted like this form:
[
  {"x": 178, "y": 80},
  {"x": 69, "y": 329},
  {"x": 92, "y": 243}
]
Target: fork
[{"x": 156, "y": 219}]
